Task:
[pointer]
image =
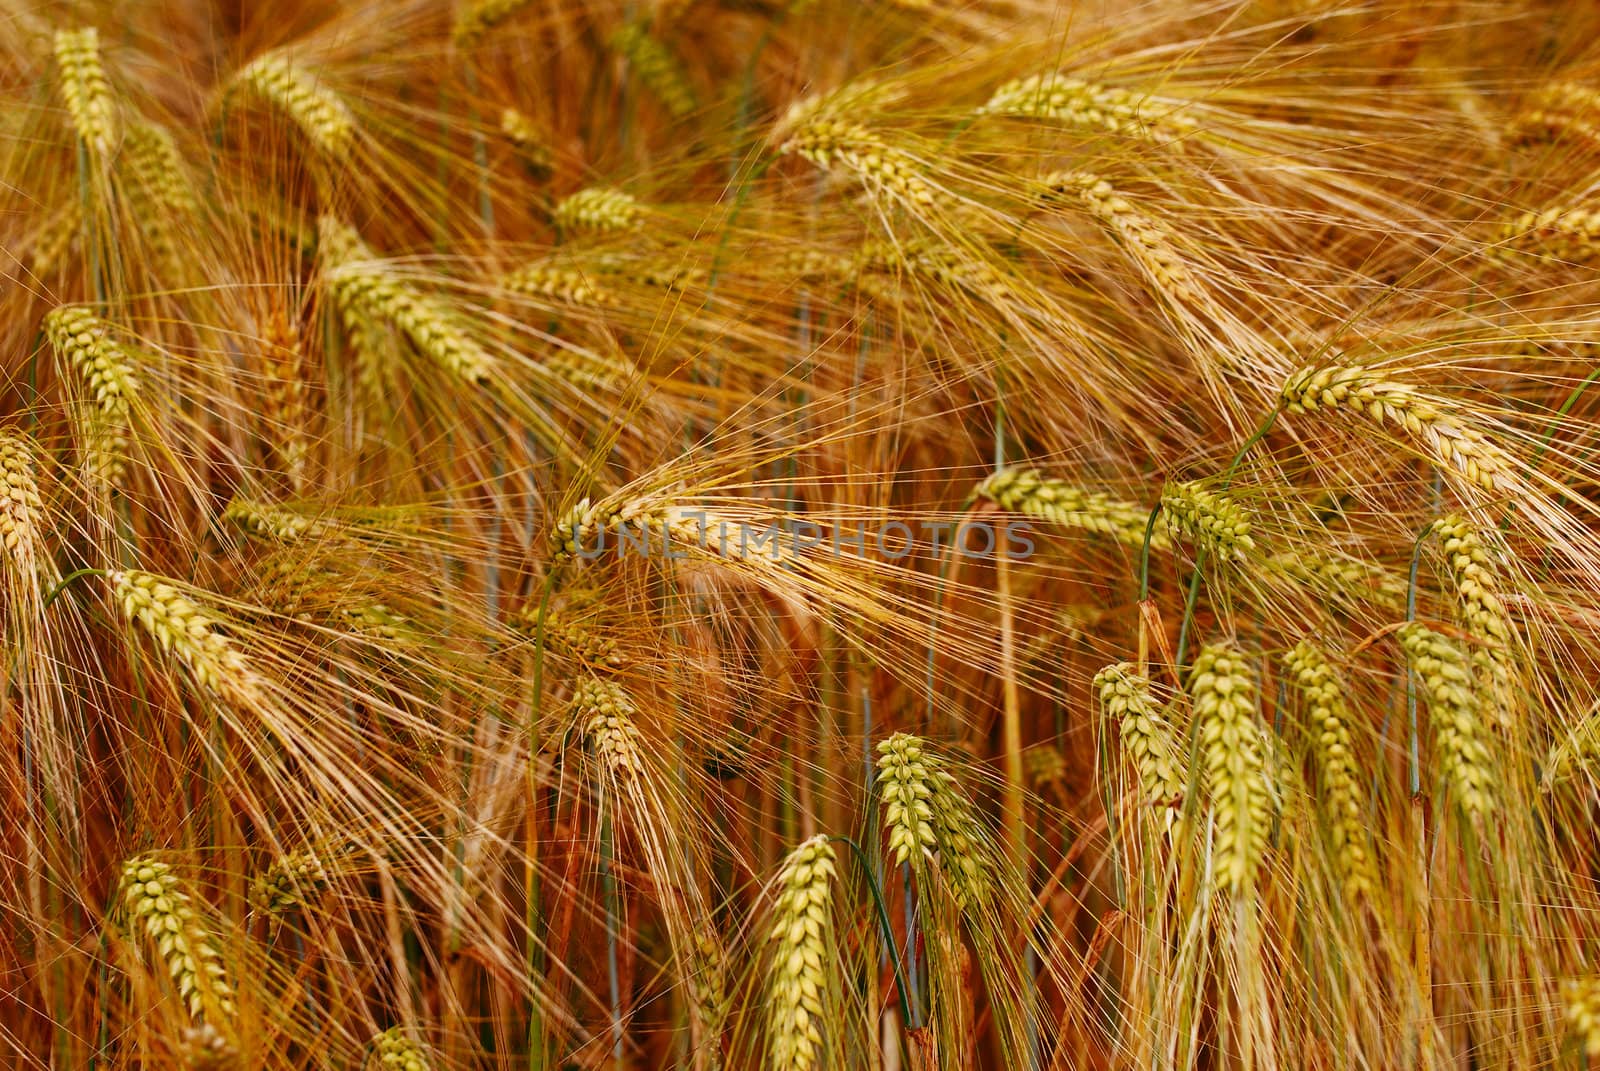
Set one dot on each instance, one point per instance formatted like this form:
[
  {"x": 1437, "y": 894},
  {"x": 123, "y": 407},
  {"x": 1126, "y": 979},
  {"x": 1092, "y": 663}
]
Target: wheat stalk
[
  {"x": 1460, "y": 745},
  {"x": 1224, "y": 694},
  {"x": 1452, "y": 443},
  {"x": 802, "y": 939},
  {"x": 157, "y": 899},
  {"x": 84, "y": 88},
  {"x": 1328, "y": 724}
]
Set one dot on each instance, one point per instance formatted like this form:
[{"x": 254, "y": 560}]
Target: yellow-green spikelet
[
  {"x": 1224, "y": 694},
  {"x": 598, "y": 208},
  {"x": 392, "y": 1049},
  {"x": 1031, "y": 493},
  {"x": 84, "y": 88},
  {"x": 83, "y": 341},
  {"x": 157, "y": 902},
  {"x": 1460, "y": 746},
  {"x": 185, "y": 631},
  {"x": 655, "y": 66},
  {"x": 1146, "y": 737},
  {"x": 802, "y": 955},
  {"x": 1328, "y": 724},
  {"x": 295, "y": 90},
  {"x": 1209, "y": 518}
]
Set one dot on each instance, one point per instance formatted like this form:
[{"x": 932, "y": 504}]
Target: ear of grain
[
  {"x": 392, "y": 1049},
  {"x": 205, "y": 1048},
  {"x": 272, "y": 522},
  {"x": 1459, "y": 738},
  {"x": 476, "y": 18},
  {"x": 1207, "y": 518},
  {"x": 1029, "y": 492},
  {"x": 1224, "y": 694},
  {"x": 1328, "y": 724},
  {"x": 283, "y": 361},
  {"x": 838, "y": 143},
  {"x": 1147, "y": 241},
  {"x": 22, "y": 518},
  {"x": 656, "y": 67},
  {"x": 324, "y": 119},
  {"x": 186, "y": 632},
  {"x": 569, "y": 637},
  {"x": 83, "y": 342},
  {"x": 598, "y": 209},
  {"x": 287, "y": 882},
  {"x": 1147, "y": 739},
  {"x": 159, "y": 193},
  {"x": 556, "y": 282},
  {"x": 159, "y": 905},
  {"x": 1089, "y": 106},
  {"x": 1577, "y": 751},
  {"x": 84, "y": 88},
  {"x": 532, "y": 142},
  {"x": 802, "y": 955},
  {"x": 365, "y": 293},
  {"x": 609, "y": 721},
  {"x": 1582, "y": 999},
  {"x": 1450, "y": 441},
  {"x": 1480, "y": 609}
]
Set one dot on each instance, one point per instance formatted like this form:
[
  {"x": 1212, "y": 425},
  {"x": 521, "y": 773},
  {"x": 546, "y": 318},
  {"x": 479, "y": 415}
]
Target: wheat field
[{"x": 800, "y": 534}]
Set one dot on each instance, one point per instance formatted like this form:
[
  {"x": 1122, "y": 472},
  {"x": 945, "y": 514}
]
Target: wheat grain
[
  {"x": 22, "y": 524},
  {"x": 272, "y": 522},
  {"x": 1224, "y": 694},
  {"x": 1444, "y": 672},
  {"x": 287, "y": 881},
  {"x": 802, "y": 936},
  {"x": 1582, "y": 999},
  {"x": 656, "y": 67},
  {"x": 1150, "y": 243},
  {"x": 609, "y": 721},
  {"x": 185, "y": 631},
  {"x": 907, "y": 798},
  {"x": 158, "y": 187},
  {"x": 1328, "y": 724},
  {"x": 366, "y": 293},
  {"x": 84, "y": 88},
  {"x": 598, "y": 208},
  {"x": 531, "y": 141},
  {"x": 1452, "y": 443},
  {"x": 318, "y": 112},
  {"x": 205, "y": 1048},
  {"x": 829, "y": 143},
  {"x": 1480, "y": 608},
  {"x": 1088, "y": 105},
  {"x": 548, "y": 280},
  {"x": 1146, "y": 737},
  {"x": 1031, "y": 493},
  {"x": 393, "y": 1049},
  {"x": 477, "y": 17},
  {"x": 156, "y": 898},
  {"x": 1209, "y": 518},
  {"x": 83, "y": 341}
]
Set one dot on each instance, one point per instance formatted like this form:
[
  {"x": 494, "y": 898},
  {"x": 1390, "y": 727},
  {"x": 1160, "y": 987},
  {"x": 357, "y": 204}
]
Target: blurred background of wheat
[{"x": 335, "y": 331}]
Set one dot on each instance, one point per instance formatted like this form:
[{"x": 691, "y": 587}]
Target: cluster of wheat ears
[{"x": 340, "y": 336}]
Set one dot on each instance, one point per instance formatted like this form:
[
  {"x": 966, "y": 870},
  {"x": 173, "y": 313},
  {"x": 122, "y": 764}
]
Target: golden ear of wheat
[
  {"x": 84, "y": 88},
  {"x": 1031, "y": 493},
  {"x": 1328, "y": 724},
  {"x": 1224, "y": 694},
  {"x": 802, "y": 953},
  {"x": 156, "y": 899},
  {"x": 319, "y": 113},
  {"x": 1460, "y": 741},
  {"x": 1147, "y": 739},
  {"x": 1208, "y": 518},
  {"x": 393, "y": 1049}
]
